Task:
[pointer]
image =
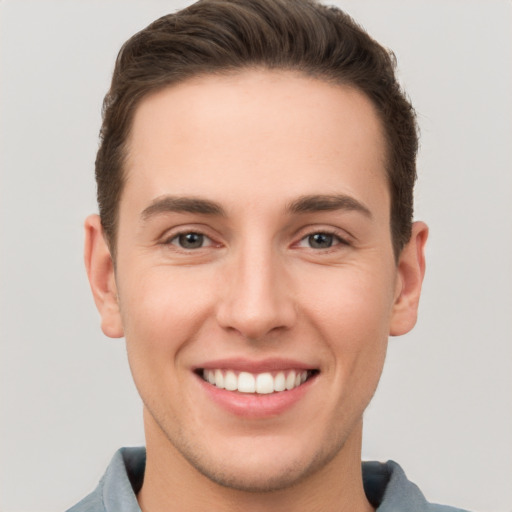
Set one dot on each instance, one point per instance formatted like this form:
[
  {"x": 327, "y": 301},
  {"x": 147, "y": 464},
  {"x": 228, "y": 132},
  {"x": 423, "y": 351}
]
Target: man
[{"x": 255, "y": 247}]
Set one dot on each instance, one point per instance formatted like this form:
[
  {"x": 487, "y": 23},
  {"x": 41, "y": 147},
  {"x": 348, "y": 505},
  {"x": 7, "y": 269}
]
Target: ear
[
  {"x": 100, "y": 270},
  {"x": 411, "y": 269}
]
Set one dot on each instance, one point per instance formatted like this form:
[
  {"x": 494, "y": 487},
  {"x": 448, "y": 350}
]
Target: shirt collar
[{"x": 385, "y": 484}]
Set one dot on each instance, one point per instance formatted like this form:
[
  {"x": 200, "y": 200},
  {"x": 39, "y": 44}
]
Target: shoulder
[
  {"x": 433, "y": 507},
  {"x": 388, "y": 490},
  {"x": 91, "y": 503},
  {"x": 119, "y": 485}
]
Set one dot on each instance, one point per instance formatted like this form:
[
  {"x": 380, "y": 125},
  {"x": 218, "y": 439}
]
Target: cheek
[
  {"x": 163, "y": 313},
  {"x": 355, "y": 303},
  {"x": 352, "y": 312},
  {"x": 164, "y": 309}
]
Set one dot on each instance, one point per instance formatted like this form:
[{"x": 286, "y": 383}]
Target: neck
[{"x": 171, "y": 483}]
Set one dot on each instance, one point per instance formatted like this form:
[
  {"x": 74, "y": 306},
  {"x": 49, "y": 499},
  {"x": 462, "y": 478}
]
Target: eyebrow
[
  {"x": 304, "y": 204},
  {"x": 167, "y": 204},
  {"x": 315, "y": 203}
]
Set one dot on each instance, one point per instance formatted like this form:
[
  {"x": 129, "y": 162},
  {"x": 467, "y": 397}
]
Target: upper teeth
[{"x": 246, "y": 382}]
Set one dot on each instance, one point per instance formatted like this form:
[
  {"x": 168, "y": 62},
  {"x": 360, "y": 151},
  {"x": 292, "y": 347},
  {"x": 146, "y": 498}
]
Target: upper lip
[{"x": 254, "y": 366}]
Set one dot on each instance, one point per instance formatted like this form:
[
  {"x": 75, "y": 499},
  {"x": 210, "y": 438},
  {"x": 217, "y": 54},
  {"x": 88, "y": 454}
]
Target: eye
[
  {"x": 321, "y": 240},
  {"x": 190, "y": 240}
]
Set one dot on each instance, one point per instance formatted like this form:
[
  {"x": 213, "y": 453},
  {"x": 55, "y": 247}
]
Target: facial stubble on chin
[{"x": 289, "y": 477}]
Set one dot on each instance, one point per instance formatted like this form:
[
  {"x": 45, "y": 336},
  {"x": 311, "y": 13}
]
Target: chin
[
  {"x": 254, "y": 484},
  {"x": 260, "y": 468},
  {"x": 257, "y": 478}
]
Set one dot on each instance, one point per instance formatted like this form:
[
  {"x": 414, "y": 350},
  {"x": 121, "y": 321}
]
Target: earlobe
[
  {"x": 411, "y": 270},
  {"x": 100, "y": 271}
]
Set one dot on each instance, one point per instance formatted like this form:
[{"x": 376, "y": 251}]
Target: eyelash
[{"x": 337, "y": 240}]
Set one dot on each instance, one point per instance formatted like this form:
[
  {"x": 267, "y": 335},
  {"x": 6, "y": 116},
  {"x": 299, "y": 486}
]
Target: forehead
[{"x": 258, "y": 130}]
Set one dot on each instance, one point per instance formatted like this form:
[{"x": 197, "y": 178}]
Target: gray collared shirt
[{"x": 385, "y": 484}]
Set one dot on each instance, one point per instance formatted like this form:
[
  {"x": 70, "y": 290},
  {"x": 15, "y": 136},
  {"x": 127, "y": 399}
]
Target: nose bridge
[{"x": 256, "y": 299}]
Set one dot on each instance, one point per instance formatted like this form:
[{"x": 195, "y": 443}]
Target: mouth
[{"x": 265, "y": 383}]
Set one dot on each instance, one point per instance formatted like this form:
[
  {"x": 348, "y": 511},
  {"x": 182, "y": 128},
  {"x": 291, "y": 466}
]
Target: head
[
  {"x": 255, "y": 182},
  {"x": 216, "y": 37}
]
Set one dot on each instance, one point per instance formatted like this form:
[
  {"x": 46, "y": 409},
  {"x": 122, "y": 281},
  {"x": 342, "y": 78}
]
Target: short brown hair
[{"x": 219, "y": 36}]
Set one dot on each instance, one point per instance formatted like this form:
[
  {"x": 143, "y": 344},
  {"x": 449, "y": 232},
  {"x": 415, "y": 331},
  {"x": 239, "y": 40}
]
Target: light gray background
[{"x": 444, "y": 407}]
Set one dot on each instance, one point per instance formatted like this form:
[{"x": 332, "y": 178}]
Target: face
[{"x": 255, "y": 279}]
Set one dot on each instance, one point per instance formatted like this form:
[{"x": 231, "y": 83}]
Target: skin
[{"x": 254, "y": 143}]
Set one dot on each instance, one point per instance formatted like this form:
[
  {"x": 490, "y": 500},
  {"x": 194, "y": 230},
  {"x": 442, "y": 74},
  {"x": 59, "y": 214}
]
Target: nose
[{"x": 256, "y": 298}]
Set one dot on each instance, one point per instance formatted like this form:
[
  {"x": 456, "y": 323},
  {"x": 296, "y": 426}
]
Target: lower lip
[{"x": 254, "y": 405}]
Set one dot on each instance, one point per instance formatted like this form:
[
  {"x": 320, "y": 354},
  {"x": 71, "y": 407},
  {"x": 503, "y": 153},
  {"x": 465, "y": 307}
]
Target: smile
[{"x": 258, "y": 383}]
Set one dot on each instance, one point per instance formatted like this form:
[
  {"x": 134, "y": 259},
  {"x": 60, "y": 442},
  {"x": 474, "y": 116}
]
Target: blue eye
[{"x": 190, "y": 240}]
